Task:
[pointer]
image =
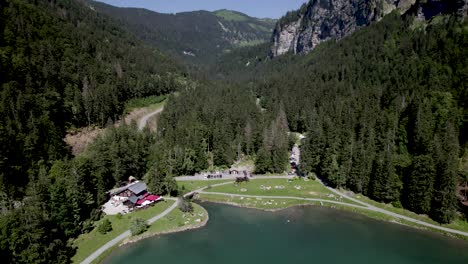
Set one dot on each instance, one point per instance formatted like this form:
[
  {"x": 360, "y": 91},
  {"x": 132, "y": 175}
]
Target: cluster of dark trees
[{"x": 217, "y": 127}]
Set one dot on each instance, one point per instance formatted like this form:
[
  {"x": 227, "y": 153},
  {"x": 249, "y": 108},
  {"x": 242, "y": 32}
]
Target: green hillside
[
  {"x": 196, "y": 37},
  {"x": 229, "y": 15}
]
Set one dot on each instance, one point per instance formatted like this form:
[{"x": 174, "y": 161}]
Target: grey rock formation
[
  {"x": 427, "y": 9},
  {"x": 322, "y": 20}
]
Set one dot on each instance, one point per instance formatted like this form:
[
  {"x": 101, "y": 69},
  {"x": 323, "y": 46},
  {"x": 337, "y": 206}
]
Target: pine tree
[
  {"x": 385, "y": 183},
  {"x": 312, "y": 150},
  {"x": 159, "y": 182},
  {"x": 443, "y": 205},
  {"x": 331, "y": 170},
  {"x": 263, "y": 162},
  {"x": 419, "y": 185}
]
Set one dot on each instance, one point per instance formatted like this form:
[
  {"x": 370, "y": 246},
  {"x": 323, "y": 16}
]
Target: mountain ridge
[{"x": 194, "y": 37}]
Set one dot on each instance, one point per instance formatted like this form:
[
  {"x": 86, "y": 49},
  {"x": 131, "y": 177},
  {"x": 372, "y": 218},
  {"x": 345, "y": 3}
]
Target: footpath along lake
[{"x": 296, "y": 235}]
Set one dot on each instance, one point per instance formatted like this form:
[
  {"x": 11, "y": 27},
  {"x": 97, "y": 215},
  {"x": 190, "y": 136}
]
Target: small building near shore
[{"x": 133, "y": 195}]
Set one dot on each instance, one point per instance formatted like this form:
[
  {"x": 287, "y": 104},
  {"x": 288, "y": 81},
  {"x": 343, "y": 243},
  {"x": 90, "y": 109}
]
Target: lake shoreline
[
  {"x": 346, "y": 209},
  {"x": 252, "y": 207},
  {"x": 133, "y": 240},
  {"x": 240, "y": 228},
  {"x": 130, "y": 241}
]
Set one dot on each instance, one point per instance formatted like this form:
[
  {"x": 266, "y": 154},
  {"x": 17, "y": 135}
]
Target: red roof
[{"x": 150, "y": 197}]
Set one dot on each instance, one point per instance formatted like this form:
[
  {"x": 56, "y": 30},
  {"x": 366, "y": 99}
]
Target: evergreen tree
[
  {"x": 443, "y": 205},
  {"x": 263, "y": 162},
  {"x": 419, "y": 184},
  {"x": 385, "y": 183},
  {"x": 312, "y": 150},
  {"x": 159, "y": 182}
]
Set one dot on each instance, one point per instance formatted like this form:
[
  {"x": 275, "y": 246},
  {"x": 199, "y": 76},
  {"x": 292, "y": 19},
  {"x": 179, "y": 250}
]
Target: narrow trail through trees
[{"x": 144, "y": 120}]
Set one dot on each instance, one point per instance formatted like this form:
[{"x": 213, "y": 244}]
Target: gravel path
[
  {"x": 144, "y": 120},
  {"x": 126, "y": 234}
]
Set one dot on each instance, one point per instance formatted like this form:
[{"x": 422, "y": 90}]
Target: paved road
[
  {"x": 126, "y": 234},
  {"x": 144, "y": 120}
]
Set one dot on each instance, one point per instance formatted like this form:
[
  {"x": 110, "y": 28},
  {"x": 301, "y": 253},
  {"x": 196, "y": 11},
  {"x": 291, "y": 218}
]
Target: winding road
[
  {"x": 141, "y": 124},
  {"x": 126, "y": 234},
  {"x": 144, "y": 120}
]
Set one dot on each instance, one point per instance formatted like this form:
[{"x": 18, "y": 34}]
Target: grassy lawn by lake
[
  {"x": 88, "y": 243},
  {"x": 260, "y": 203},
  {"x": 188, "y": 186},
  {"x": 280, "y": 187},
  {"x": 176, "y": 219}
]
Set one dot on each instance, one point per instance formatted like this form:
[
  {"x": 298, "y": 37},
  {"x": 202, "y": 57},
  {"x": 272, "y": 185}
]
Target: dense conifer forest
[
  {"x": 384, "y": 112},
  {"x": 64, "y": 66}
]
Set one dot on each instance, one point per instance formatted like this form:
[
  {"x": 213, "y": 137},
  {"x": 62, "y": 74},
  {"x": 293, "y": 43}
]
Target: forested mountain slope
[
  {"x": 199, "y": 36},
  {"x": 384, "y": 110},
  {"x": 65, "y": 65},
  {"x": 62, "y": 65}
]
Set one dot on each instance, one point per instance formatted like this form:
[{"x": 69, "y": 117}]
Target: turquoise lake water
[{"x": 297, "y": 235}]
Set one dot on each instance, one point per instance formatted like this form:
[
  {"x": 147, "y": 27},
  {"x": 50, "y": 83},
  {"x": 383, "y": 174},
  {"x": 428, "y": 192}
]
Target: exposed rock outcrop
[
  {"x": 322, "y": 20},
  {"x": 317, "y": 21},
  {"x": 427, "y": 9}
]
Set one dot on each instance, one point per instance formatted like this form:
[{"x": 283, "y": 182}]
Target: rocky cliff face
[
  {"x": 321, "y": 20},
  {"x": 427, "y": 9}
]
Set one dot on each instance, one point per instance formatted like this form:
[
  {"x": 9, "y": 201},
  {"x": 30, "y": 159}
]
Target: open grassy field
[
  {"x": 259, "y": 203},
  {"x": 280, "y": 187},
  {"x": 231, "y": 15},
  {"x": 90, "y": 242},
  {"x": 188, "y": 186}
]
